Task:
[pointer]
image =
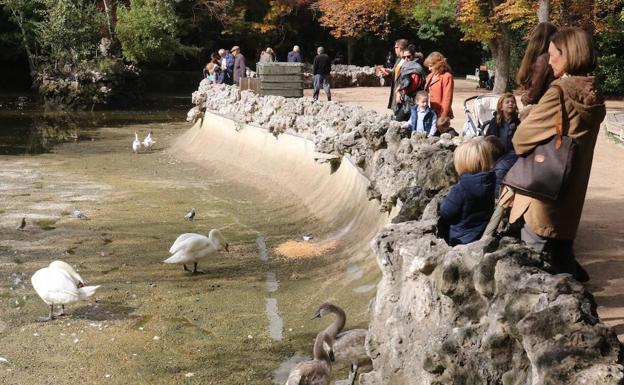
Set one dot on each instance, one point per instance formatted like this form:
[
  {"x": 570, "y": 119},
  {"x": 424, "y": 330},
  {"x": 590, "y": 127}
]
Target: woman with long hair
[
  {"x": 550, "y": 226},
  {"x": 440, "y": 85},
  {"x": 535, "y": 74}
]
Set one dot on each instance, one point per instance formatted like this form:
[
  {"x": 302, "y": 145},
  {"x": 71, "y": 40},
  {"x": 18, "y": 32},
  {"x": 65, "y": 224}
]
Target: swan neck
[
  {"x": 319, "y": 352},
  {"x": 338, "y": 324}
]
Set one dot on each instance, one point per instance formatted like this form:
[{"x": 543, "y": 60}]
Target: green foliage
[
  {"x": 610, "y": 73},
  {"x": 432, "y": 20},
  {"x": 71, "y": 30},
  {"x": 148, "y": 31}
]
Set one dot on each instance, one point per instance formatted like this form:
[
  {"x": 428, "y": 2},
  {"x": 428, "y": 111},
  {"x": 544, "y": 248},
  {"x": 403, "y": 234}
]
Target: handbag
[
  {"x": 543, "y": 172},
  {"x": 402, "y": 110}
]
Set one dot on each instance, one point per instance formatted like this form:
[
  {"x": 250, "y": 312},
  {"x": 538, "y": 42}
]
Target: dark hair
[
  {"x": 497, "y": 149},
  {"x": 402, "y": 43},
  {"x": 538, "y": 44},
  {"x": 577, "y": 47},
  {"x": 214, "y": 57}
]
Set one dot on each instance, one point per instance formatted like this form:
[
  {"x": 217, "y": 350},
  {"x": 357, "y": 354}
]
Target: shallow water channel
[{"x": 152, "y": 323}]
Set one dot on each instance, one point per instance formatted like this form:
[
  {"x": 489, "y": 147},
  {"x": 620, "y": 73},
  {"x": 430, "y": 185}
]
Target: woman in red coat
[{"x": 440, "y": 85}]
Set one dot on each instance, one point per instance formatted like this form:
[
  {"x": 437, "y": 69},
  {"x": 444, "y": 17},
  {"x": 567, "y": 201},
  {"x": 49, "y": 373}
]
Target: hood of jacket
[
  {"x": 585, "y": 96},
  {"x": 411, "y": 67},
  {"x": 478, "y": 184}
]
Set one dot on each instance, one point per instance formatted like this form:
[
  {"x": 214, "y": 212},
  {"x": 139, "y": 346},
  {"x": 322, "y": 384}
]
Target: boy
[{"x": 422, "y": 117}]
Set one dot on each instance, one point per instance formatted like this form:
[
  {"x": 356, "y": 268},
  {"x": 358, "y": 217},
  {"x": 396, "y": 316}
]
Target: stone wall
[
  {"x": 347, "y": 76},
  {"x": 485, "y": 313}
]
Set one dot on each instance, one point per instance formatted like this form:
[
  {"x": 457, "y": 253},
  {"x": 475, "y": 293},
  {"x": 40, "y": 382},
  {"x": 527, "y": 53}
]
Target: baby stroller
[
  {"x": 479, "y": 113},
  {"x": 485, "y": 81}
]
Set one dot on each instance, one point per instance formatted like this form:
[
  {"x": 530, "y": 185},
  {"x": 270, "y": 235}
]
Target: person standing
[
  {"x": 399, "y": 46},
  {"x": 535, "y": 74},
  {"x": 239, "y": 65},
  {"x": 440, "y": 85},
  {"x": 267, "y": 56},
  {"x": 322, "y": 70},
  {"x": 294, "y": 56},
  {"x": 227, "y": 67}
]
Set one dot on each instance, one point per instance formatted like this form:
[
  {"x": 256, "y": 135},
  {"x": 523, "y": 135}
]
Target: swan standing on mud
[
  {"x": 59, "y": 284},
  {"x": 191, "y": 247},
  {"x": 348, "y": 346},
  {"x": 148, "y": 142},
  {"x": 136, "y": 144},
  {"x": 316, "y": 371}
]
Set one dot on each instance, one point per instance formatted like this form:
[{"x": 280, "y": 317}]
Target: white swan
[
  {"x": 148, "y": 142},
  {"x": 191, "y": 247},
  {"x": 316, "y": 371},
  {"x": 348, "y": 346},
  {"x": 59, "y": 284},
  {"x": 136, "y": 144}
]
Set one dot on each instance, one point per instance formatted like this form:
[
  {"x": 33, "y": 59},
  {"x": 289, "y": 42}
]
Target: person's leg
[
  {"x": 326, "y": 86},
  {"x": 557, "y": 252},
  {"x": 532, "y": 240},
  {"x": 316, "y": 84}
]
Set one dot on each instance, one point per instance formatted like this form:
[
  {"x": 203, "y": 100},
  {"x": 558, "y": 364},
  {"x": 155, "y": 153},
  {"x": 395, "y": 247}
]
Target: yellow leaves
[
  {"x": 352, "y": 18},
  {"x": 517, "y": 13},
  {"x": 475, "y": 19}
]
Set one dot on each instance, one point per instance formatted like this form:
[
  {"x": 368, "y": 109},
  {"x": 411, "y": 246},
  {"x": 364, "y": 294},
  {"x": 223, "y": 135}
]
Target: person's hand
[
  {"x": 398, "y": 97},
  {"x": 405, "y": 124}
]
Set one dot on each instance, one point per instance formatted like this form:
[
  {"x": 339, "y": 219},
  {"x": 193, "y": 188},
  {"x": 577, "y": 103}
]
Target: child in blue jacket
[
  {"x": 470, "y": 203},
  {"x": 422, "y": 117}
]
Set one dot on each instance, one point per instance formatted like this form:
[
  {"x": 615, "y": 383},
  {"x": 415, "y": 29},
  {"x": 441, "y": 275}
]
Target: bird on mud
[
  {"x": 136, "y": 144},
  {"x": 347, "y": 346},
  {"x": 80, "y": 215},
  {"x": 22, "y": 224},
  {"x": 316, "y": 371},
  {"x": 190, "y": 216},
  {"x": 191, "y": 247},
  {"x": 59, "y": 284},
  {"x": 148, "y": 142}
]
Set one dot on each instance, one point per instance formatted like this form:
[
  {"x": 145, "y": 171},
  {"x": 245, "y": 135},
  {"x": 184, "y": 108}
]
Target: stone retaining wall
[{"x": 485, "y": 313}]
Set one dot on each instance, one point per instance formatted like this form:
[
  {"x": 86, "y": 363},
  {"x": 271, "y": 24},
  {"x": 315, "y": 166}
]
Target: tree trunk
[
  {"x": 109, "y": 18},
  {"x": 501, "y": 51},
  {"x": 32, "y": 66},
  {"x": 543, "y": 11}
]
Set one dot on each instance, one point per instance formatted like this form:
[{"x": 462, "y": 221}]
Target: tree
[
  {"x": 25, "y": 14},
  {"x": 352, "y": 19},
  {"x": 148, "y": 31}
]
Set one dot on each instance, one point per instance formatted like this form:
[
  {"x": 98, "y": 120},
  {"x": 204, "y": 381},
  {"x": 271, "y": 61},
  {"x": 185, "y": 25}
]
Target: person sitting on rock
[
  {"x": 503, "y": 160},
  {"x": 422, "y": 117},
  {"x": 469, "y": 205}
]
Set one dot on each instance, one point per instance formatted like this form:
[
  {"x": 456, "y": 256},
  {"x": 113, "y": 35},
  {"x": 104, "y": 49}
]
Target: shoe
[{"x": 581, "y": 274}]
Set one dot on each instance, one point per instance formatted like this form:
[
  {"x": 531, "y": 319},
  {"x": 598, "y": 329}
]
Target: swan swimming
[
  {"x": 316, "y": 371},
  {"x": 136, "y": 144},
  {"x": 59, "y": 284},
  {"x": 191, "y": 247},
  {"x": 148, "y": 142},
  {"x": 348, "y": 346}
]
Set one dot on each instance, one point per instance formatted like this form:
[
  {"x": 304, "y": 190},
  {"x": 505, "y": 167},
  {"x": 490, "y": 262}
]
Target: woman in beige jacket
[{"x": 550, "y": 226}]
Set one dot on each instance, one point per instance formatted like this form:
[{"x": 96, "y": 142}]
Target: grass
[{"x": 46, "y": 224}]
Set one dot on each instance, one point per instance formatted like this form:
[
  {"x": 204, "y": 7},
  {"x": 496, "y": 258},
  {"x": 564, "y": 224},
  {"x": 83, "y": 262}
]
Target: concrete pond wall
[{"x": 485, "y": 313}]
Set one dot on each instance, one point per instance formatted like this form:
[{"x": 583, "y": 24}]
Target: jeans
[{"x": 318, "y": 81}]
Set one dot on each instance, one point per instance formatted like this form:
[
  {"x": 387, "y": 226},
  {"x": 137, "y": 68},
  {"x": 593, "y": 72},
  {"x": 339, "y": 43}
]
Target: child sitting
[
  {"x": 505, "y": 120},
  {"x": 422, "y": 117},
  {"x": 503, "y": 160},
  {"x": 470, "y": 203}
]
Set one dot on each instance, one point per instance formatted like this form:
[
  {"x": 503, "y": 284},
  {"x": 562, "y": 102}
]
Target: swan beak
[
  {"x": 332, "y": 357},
  {"x": 316, "y": 315},
  {"x": 227, "y": 247},
  {"x": 80, "y": 284}
]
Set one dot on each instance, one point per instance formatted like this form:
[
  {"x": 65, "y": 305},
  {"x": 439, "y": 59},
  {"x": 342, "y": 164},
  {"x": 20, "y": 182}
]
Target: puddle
[
  {"x": 365, "y": 288},
  {"x": 262, "y": 249},
  {"x": 355, "y": 272},
  {"x": 271, "y": 282},
  {"x": 276, "y": 325},
  {"x": 280, "y": 375}
]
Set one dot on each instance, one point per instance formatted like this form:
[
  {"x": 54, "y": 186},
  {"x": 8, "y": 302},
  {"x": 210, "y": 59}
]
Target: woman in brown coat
[
  {"x": 535, "y": 74},
  {"x": 440, "y": 85},
  {"x": 550, "y": 226}
]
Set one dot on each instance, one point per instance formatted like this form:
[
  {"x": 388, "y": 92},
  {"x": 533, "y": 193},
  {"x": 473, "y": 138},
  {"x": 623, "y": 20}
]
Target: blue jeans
[{"x": 318, "y": 81}]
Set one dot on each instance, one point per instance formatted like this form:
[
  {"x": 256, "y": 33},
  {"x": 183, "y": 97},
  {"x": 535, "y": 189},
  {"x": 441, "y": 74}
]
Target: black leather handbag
[{"x": 543, "y": 173}]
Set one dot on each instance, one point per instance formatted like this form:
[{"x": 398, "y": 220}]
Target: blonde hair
[
  {"x": 499, "y": 106},
  {"x": 473, "y": 156},
  {"x": 438, "y": 62},
  {"x": 577, "y": 47}
]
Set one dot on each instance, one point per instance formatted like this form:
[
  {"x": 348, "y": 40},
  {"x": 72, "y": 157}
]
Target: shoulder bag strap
[{"x": 560, "y": 119}]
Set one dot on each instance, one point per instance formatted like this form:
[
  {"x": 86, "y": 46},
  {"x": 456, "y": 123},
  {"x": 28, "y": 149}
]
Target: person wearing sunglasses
[
  {"x": 410, "y": 81},
  {"x": 399, "y": 46}
]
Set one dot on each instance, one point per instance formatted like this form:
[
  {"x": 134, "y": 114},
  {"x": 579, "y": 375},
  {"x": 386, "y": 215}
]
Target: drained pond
[{"x": 150, "y": 322}]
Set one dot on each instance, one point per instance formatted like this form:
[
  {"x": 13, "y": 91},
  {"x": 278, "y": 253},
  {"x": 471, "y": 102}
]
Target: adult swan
[{"x": 191, "y": 247}]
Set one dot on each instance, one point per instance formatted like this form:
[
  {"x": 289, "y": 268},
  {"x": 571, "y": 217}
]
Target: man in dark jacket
[
  {"x": 294, "y": 56},
  {"x": 239, "y": 65},
  {"x": 227, "y": 67},
  {"x": 322, "y": 70}
]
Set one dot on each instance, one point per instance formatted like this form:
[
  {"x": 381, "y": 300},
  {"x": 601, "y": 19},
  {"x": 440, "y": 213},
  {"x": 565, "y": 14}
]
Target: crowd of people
[{"x": 555, "y": 74}]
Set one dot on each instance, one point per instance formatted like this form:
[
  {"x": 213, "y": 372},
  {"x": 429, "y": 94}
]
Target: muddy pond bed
[{"x": 152, "y": 323}]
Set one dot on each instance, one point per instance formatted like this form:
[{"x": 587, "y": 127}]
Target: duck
[
  {"x": 148, "y": 142},
  {"x": 59, "y": 284},
  {"x": 316, "y": 371},
  {"x": 136, "y": 144},
  {"x": 191, "y": 247},
  {"x": 346, "y": 346}
]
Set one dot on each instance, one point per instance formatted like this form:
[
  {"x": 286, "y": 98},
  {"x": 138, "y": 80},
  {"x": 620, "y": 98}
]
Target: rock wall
[
  {"x": 347, "y": 76},
  {"x": 485, "y": 313}
]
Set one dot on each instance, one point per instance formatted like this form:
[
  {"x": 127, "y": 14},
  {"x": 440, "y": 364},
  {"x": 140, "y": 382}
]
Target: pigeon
[
  {"x": 148, "y": 142},
  {"x": 190, "y": 215},
  {"x": 136, "y": 144},
  {"x": 308, "y": 237},
  {"x": 22, "y": 224},
  {"x": 80, "y": 215}
]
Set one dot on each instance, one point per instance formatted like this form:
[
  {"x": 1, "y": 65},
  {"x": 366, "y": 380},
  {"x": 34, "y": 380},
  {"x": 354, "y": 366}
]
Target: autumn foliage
[{"x": 353, "y": 18}]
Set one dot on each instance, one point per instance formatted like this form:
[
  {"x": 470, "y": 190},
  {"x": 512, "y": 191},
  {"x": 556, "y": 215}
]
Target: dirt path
[{"x": 600, "y": 241}]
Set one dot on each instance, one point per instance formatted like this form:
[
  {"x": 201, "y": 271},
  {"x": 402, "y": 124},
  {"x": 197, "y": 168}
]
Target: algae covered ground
[{"x": 151, "y": 323}]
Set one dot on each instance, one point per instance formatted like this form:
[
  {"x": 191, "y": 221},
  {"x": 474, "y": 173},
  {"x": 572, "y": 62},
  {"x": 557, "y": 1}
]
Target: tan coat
[{"x": 586, "y": 110}]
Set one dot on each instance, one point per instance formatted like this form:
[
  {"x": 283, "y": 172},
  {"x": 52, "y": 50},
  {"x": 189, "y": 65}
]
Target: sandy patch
[{"x": 301, "y": 249}]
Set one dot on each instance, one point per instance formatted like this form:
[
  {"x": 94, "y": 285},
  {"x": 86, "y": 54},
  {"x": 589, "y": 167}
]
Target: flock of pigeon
[{"x": 59, "y": 284}]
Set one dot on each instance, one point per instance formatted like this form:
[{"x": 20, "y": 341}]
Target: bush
[{"x": 610, "y": 73}]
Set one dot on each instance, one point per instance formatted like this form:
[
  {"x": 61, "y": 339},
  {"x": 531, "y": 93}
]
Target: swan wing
[
  {"x": 189, "y": 242},
  {"x": 350, "y": 346},
  {"x": 314, "y": 372},
  {"x": 55, "y": 286}
]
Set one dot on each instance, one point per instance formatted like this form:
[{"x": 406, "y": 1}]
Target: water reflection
[{"x": 30, "y": 130}]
